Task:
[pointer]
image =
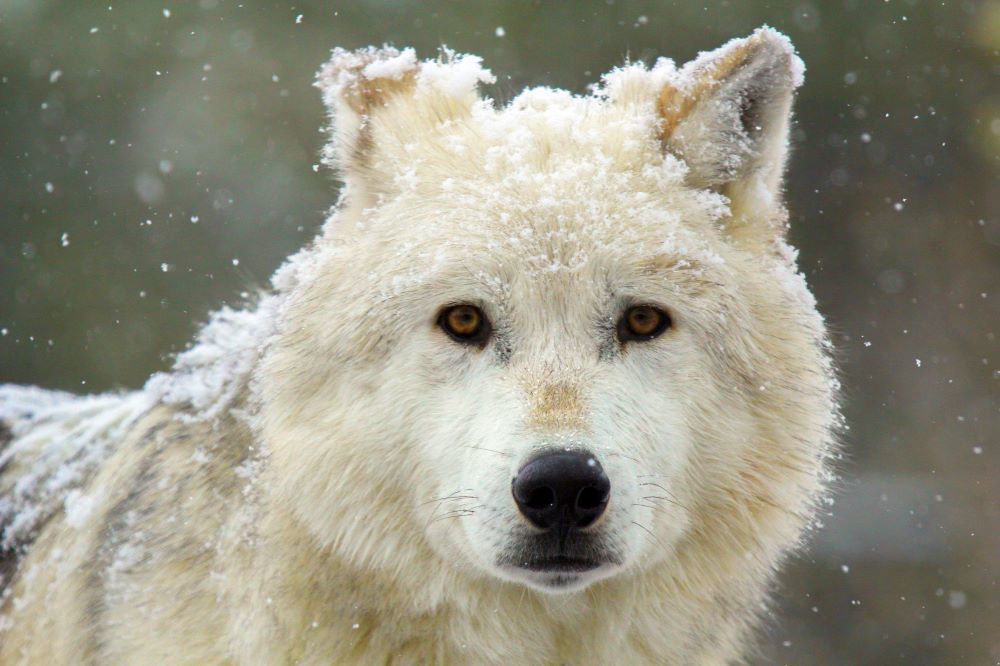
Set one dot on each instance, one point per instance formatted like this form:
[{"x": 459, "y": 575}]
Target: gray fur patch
[
  {"x": 6, "y": 437},
  {"x": 9, "y": 557}
]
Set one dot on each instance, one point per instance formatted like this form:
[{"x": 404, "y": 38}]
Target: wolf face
[{"x": 555, "y": 342}]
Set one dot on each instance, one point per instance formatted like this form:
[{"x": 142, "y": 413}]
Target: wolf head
[{"x": 557, "y": 341}]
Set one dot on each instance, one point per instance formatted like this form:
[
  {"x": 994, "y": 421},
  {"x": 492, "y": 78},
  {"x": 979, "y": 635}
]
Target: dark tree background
[{"x": 159, "y": 158}]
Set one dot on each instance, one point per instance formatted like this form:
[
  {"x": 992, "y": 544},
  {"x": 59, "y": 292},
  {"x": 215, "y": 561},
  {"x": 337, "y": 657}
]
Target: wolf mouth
[
  {"x": 575, "y": 556},
  {"x": 560, "y": 563}
]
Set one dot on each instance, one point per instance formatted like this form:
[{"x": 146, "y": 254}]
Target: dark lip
[{"x": 560, "y": 564}]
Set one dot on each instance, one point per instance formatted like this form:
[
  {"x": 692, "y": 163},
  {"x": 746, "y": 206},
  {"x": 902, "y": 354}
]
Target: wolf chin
[{"x": 547, "y": 388}]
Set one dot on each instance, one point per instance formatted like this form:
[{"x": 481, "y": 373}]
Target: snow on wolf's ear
[
  {"x": 726, "y": 114},
  {"x": 381, "y": 99}
]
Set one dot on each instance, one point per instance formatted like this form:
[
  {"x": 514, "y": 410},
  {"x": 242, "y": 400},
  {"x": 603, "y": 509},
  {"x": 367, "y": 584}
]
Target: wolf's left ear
[{"x": 726, "y": 114}]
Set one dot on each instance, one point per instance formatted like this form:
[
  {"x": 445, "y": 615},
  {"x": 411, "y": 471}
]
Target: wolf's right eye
[{"x": 465, "y": 323}]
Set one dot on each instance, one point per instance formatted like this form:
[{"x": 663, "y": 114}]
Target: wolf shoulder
[{"x": 163, "y": 503}]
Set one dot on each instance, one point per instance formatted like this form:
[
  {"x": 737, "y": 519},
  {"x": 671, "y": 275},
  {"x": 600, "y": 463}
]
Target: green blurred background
[{"x": 159, "y": 158}]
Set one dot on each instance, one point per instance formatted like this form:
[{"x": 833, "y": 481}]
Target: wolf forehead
[
  {"x": 421, "y": 129},
  {"x": 649, "y": 148}
]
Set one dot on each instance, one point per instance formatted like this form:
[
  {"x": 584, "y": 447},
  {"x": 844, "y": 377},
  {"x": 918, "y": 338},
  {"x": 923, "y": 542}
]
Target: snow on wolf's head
[{"x": 554, "y": 342}]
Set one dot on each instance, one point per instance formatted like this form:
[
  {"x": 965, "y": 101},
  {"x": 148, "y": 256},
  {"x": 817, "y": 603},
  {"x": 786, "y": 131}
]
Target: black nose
[{"x": 565, "y": 489}]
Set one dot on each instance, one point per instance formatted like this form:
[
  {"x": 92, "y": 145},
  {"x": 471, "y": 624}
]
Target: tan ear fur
[{"x": 675, "y": 102}]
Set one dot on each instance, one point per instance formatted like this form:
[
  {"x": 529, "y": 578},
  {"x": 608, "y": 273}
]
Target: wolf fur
[{"x": 325, "y": 476}]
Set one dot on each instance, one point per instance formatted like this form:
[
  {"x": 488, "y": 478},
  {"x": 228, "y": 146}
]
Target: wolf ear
[
  {"x": 381, "y": 99},
  {"x": 726, "y": 114},
  {"x": 356, "y": 85}
]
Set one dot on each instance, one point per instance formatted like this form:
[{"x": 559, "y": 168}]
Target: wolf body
[{"x": 326, "y": 476}]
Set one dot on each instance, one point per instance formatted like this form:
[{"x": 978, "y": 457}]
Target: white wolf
[{"x": 546, "y": 389}]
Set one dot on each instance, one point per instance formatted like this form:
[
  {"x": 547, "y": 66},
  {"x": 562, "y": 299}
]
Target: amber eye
[
  {"x": 642, "y": 322},
  {"x": 465, "y": 323}
]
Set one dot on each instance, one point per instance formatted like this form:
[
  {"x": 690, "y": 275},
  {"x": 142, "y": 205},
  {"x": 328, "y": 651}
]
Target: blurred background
[{"x": 157, "y": 159}]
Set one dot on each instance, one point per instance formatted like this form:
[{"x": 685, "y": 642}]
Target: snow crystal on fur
[
  {"x": 206, "y": 378},
  {"x": 391, "y": 68},
  {"x": 67, "y": 437},
  {"x": 456, "y": 75}
]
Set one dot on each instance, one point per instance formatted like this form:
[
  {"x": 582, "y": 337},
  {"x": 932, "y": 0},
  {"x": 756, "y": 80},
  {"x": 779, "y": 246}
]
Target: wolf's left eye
[
  {"x": 642, "y": 322},
  {"x": 465, "y": 323}
]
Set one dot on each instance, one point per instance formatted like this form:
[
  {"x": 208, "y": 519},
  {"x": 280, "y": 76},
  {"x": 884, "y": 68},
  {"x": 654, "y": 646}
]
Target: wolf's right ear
[{"x": 382, "y": 99}]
